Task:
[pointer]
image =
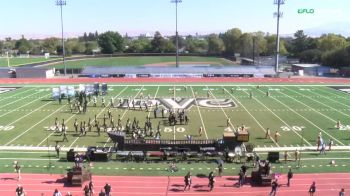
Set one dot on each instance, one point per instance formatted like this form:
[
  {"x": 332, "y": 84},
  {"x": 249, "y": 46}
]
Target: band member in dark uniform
[
  {"x": 211, "y": 178},
  {"x": 188, "y": 181}
]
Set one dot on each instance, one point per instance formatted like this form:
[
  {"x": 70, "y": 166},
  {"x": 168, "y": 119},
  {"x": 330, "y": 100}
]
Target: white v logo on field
[{"x": 182, "y": 104}]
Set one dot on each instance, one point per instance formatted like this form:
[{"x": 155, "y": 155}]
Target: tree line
[{"x": 328, "y": 49}]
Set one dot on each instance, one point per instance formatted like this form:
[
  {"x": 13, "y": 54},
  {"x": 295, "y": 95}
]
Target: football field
[{"x": 298, "y": 112}]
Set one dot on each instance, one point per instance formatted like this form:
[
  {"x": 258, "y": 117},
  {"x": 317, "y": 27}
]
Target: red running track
[
  {"x": 313, "y": 80},
  {"x": 44, "y": 184}
]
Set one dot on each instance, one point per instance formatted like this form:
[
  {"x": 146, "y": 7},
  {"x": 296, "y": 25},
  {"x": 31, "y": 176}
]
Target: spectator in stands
[
  {"x": 342, "y": 192},
  {"x": 19, "y": 191},
  {"x": 108, "y": 189},
  {"x": 312, "y": 189},
  {"x": 57, "y": 193}
]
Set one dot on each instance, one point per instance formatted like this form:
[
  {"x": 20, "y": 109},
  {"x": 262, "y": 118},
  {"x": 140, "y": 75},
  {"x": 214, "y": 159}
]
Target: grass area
[
  {"x": 39, "y": 162},
  {"x": 299, "y": 113},
  {"x": 137, "y": 61},
  {"x": 22, "y": 61}
]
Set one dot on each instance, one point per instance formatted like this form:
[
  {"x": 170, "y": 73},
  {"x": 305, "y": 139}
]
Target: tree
[
  {"x": 215, "y": 44},
  {"x": 300, "y": 42},
  {"x": 158, "y": 43},
  {"x": 331, "y": 42},
  {"x": 246, "y": 45},
  {"x": 337, "y": 58},
  {"x": 50, "y": 45},
  {"x": 141, "y": 45},
  {"x": 182, "y": 42},
  {"x": 90, "y": 46},
  {"x": 271, "y": 46},
  {"x": 23, "y": 46},
  {"x": 195, "y": 45},
  {"x": 231, "y": 40},
  {"x": 169, "y": 46},
  {"x": 310, "y": 56},
  {"x": 110, "y": 42},
  {"x": 260, "y": 43}
]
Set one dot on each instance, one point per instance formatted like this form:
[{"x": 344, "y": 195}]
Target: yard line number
[
  {"x": 6, "y": 128},
  {"x": 292, "y": 128},
  {"x": 171, "y": 129},
  {"x": 344, "y": 128}
]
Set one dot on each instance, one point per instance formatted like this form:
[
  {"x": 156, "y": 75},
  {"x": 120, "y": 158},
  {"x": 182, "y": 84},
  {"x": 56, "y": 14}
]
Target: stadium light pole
[
  {"x": 8, "y": 58},
  {"x": 278, "y": 14},
  {"x": 62, "y": 3},
  {"x": 177, "y": 34}
]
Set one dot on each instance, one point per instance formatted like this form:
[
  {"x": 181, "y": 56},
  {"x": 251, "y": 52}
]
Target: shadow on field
[{"x": 47, "y": 100}]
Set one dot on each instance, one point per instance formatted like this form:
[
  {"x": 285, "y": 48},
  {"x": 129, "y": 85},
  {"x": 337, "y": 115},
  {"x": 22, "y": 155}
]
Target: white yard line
[
  {"x": 226, "y": 84},
  {"x": 315, "y": 100},
  {"x": 306, "y": 119},
  {"x": 122, "y": 116},
  {"x": 174, "y": 89},
  {"x": 262, "y": 128},
  {"x": 290, "y": 127},
  {"x": 339, "y": 93},
  {"x": 346, "y": 105},
  {"x": 155, "y": 96},
  {"x": 14, "y": 109},
  {"x": 28, "y": 113},
  {"x": 200, "y": 114},
  {"x": 53, "y": 132},
  {"x": 16, "y": 100},
  {"x": 15, "y": 95},
  {"x": 100, "y": 114},
  {"x": 222, "y": 109},
  {"x": 24, "y": 132}
]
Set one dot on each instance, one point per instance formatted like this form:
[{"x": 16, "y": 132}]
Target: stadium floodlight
[
  {"x": 62, "y": 3},
  {"x": 278, "y": 14},
  {"x": 177, "y": 34}
]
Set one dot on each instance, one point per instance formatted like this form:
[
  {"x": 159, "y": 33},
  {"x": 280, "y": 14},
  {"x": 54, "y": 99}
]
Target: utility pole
[
  {"x": 177, "y": 34},
  {"x": 62, "y": 3},
  {"x": 278, "y": 14},
  {"x": 254, "y": 50}
]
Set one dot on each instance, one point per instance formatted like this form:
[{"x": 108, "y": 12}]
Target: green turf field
[
  {"x": 144, "y": 60},
  {"x": 22, "y": 61},
  {"x": 299, "y": 113},
  {"x": 44, "y": 162}
]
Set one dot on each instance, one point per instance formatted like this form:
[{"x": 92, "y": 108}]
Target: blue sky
[{"x": 41, "y": 17}]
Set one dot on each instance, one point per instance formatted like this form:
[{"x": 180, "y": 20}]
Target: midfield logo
[
  {"x": 344, "y": 89},
  {"x": 181, "y": 103}
]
